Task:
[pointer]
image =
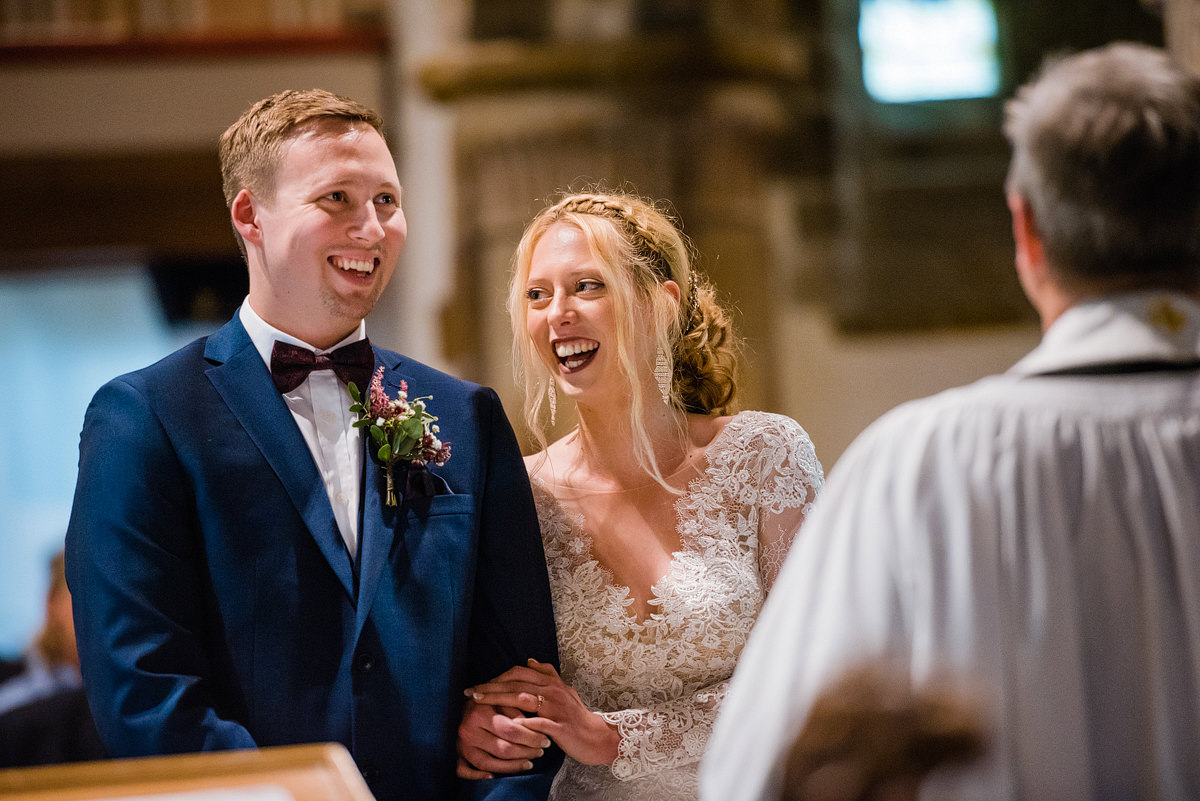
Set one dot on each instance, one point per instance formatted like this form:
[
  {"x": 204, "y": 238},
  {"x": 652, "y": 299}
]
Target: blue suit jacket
[{"x": 217, "y": 607}]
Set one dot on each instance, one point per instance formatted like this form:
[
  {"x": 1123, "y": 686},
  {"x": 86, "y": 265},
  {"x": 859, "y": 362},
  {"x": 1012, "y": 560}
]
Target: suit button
[{"x": 364, "y": 662}]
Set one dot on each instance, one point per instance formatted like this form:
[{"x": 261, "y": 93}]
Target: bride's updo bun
[{"x": 706, "y": 356}]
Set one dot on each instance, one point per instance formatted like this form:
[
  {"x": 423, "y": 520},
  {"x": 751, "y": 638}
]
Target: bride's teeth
[{"x": 574, "y": 348}]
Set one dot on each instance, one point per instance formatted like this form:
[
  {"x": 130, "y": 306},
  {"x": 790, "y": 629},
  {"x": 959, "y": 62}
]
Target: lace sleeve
[
  {"x": 790, "y": 478},
  {"x": 666, "y": 735}
]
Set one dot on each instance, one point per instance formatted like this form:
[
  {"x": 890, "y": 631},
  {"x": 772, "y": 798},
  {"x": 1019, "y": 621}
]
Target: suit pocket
[
  {"x": 441, "y": 505},
  {"x": 440, "y": 531}
]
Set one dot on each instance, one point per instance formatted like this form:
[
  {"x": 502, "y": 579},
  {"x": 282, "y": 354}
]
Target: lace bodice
[{"x": 661, "y": 679}]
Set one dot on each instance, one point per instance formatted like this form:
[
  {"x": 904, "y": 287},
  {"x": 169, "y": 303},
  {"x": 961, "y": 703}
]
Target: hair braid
[{"x": 622, "y": 210}]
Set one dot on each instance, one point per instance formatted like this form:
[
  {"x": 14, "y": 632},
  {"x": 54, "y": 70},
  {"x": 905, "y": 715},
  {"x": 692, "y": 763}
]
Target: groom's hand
[{"x": 493, "y": 740}]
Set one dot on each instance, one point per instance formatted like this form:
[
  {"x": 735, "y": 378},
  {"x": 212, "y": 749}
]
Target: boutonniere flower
[{"x": 403, "y": 430}]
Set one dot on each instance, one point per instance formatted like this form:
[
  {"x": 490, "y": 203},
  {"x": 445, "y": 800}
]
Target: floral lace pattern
[{"x": 660, "y": 680}]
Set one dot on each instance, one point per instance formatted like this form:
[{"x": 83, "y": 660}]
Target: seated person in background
[
  {"x": 10, "y": 668},
  {"x": 44, "y": 717},
  {"x": 1037, "y": 532},
  {"x": 51, "y": 664},
  {"x": 55, "y": 728}
]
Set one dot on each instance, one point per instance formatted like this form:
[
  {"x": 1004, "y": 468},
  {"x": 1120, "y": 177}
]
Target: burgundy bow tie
[{"x": 291, "y": 364}]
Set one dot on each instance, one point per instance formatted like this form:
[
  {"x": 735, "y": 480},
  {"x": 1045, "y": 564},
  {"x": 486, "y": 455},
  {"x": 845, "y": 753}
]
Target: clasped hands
[{"x": 497, "y": 736}]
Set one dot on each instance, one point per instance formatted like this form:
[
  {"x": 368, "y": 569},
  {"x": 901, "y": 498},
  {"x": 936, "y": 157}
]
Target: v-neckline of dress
[{"x": 623, "y": 592}]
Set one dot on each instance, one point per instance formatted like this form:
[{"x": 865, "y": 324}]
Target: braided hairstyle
[{"x": 638, "y": 247}]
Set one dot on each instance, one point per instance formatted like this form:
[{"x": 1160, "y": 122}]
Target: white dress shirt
[
  {"x": 1036, "y": 535},
  {"x": 321, "y": 407}
]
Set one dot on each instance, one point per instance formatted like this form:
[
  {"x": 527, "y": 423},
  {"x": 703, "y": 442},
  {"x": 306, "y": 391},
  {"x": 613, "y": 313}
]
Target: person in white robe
[{"x": 1034, "y": 536}]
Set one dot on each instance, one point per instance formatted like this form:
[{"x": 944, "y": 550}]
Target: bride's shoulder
[
  {"x": 750, "y": 433},
  {"x": 534, "y": 463},
  {"x": 753, "y": 422},
  {"x": 704, "y": 430},
  {"x": 545, "y": 466},
  {"x": 540, "y": 472}
]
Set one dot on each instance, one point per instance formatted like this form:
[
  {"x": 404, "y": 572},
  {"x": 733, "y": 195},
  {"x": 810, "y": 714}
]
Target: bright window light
[{"x": 917, "y": 50}]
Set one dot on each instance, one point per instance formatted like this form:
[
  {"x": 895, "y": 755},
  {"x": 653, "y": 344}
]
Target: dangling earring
[
  {"x": 662, "y": 375},
  {"x": 552, "y": 396}
]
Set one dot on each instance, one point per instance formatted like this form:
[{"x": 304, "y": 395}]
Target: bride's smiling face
[{"x": 570, "y": 317}]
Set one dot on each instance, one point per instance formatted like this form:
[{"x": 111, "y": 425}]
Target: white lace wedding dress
[{"x": 661, "y": 680}]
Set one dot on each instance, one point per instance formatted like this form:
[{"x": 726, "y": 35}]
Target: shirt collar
[
  {"x": 264, "y": 335},
  {"x": 1137, "y": 326}
]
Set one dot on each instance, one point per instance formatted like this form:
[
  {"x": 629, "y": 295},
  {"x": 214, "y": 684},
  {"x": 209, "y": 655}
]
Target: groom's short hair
[{"x": 250, "y": 150}]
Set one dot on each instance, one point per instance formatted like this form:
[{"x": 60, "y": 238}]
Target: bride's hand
[
  {"x": 492, "y": 740},
  {"x": 557, "y": 711}
]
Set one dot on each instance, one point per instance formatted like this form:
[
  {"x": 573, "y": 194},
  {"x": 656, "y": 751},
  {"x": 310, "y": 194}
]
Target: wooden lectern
[{"x": 324, "y": 772}]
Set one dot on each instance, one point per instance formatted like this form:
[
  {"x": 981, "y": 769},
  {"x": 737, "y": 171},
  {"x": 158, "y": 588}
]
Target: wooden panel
[
  {"x": 323, "y": 772},
  {"x": 207, "y": 44},
  {"x": 160, "y": 204}
]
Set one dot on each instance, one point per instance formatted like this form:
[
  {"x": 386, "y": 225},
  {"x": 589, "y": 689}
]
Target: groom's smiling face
[{"x": 323, "y": 247}]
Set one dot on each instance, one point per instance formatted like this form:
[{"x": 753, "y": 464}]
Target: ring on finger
[{"x": 538, "y": 708}]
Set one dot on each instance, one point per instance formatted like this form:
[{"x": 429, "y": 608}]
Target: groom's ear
[{"x": 244, "y": 211}]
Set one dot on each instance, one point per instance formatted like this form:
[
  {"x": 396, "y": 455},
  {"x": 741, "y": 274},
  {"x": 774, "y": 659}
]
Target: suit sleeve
[
  {"x": 134, "y": 566},
  {"x": 512, "y": 616}
]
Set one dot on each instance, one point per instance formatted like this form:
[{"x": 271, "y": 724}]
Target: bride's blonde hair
[{"x": 637, "y": 247}]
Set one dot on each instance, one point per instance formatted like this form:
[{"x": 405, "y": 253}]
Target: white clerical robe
[{"x": 1037, "y": 535}]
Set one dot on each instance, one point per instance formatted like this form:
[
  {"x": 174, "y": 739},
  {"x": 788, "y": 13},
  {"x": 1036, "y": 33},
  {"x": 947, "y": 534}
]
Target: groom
[{"x": 239, "y": 578}]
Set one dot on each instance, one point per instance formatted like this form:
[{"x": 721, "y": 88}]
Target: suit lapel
[
  {"x": 379, "y": 521},
  {"x": 243, "y": 381}
]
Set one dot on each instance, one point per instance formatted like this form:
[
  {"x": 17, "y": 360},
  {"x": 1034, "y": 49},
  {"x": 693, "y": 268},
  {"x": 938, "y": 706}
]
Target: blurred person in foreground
[
  {"x": 664, "y": 516},
  {"x": 252, "y": 568},
  {"x": 871, "y": 736},
  {"x": 1037, "y": 532}
]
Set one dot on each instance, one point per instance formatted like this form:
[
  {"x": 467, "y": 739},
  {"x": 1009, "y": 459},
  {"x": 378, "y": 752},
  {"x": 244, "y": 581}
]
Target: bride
[{"x": 664, "y": 520}]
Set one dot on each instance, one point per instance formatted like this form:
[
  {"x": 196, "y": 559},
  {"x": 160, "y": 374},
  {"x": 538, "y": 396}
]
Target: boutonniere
[{"x": 403, "y": 430}]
